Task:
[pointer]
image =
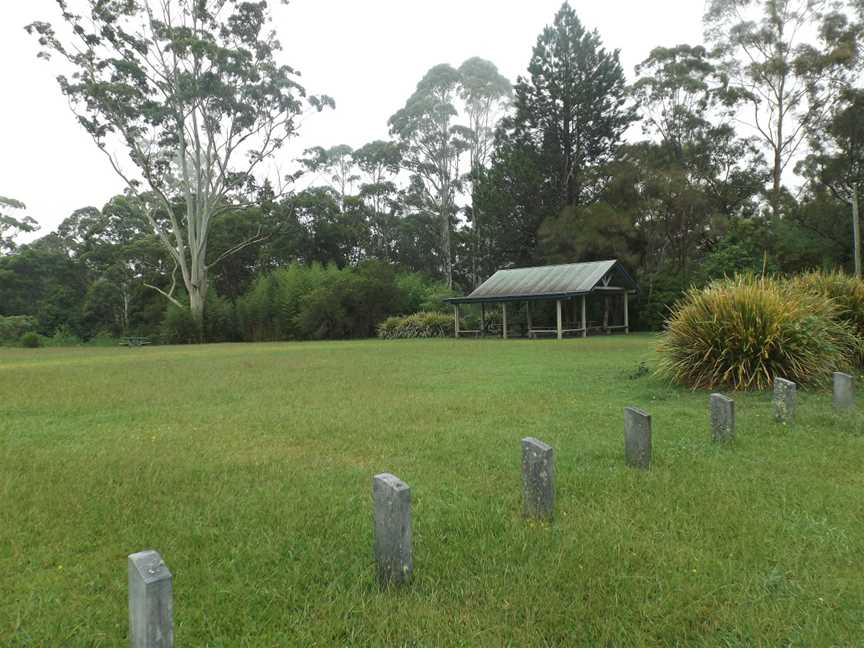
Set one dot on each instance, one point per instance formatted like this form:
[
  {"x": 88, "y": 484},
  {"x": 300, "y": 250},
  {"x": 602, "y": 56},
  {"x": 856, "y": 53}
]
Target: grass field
[{"x": 250, "y": 468}]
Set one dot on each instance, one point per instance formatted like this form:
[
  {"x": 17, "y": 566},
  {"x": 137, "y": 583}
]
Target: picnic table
[{"x": 134, "y": 341}]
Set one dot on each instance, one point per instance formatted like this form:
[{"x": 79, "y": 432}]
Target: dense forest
[{"x": 737, "y": 154}]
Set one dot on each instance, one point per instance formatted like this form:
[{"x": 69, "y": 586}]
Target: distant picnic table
[{"x": 134, "y": 341}]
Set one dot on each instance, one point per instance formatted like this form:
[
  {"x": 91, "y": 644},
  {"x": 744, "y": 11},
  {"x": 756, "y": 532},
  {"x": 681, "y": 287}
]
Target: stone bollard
[
  {"x": 785, "y": 396},
  {"x": 538, "y": 479},
  {"x": 637, "y": 438},
  {"x": 844, "y": 391},
  {"x": 392, "y": 501},
  {"x": 151, "y": 606},
  {"x": 722, "y": 418}
]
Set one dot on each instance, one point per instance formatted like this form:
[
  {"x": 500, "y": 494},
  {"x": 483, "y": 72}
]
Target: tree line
[{"x": 739, "y": 153}]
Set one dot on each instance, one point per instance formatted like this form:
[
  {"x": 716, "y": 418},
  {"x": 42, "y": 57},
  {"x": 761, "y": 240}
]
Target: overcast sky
[{"x": 368, "y": 55}]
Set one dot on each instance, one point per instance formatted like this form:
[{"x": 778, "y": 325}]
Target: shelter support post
[
  {"x": 626, "y": 313},
  {"x": 584, "y": 319},
  {"x": 504, "y": 319},
  {"x": 482, "y": 320},
  {"x": 456, "y": 319},
  {"x": 530, "y": 324},
  {"x": 560, "y": 322}
]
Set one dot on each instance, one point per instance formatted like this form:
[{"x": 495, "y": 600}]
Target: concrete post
[
  {"x": 722, "y": 418},
  {"x": 844, "y": 391},
  {"x": 538, "y": 479},
  {"x": 151, "y": 607},
  {"x": 393, "y": 556},
  {"x": 785, "y": 400},
  {"x": 637, "y": 438},
  {"x": 504, "y": 319}
]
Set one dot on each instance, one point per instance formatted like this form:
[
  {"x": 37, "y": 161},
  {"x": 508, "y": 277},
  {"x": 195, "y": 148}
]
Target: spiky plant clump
[
  {"x": 743, "y": 332},
  {"x": 418, "y": 325},
  {"x": 846, "y": 291}
]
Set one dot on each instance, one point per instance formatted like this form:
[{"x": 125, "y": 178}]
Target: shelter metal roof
[{"x": 550, "y": 282}]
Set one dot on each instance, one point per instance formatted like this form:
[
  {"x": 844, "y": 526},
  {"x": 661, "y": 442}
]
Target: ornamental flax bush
[
  {"x": 846, "y": 291},
  {"x": 418, "y": 325},
  {"x": 741, "y": 333}
]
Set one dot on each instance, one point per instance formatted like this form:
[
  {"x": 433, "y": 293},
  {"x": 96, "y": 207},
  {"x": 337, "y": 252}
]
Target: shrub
[
  {"x": 31, "y": 340},
  {"x": 741, "y": 333},
  {"x": 103, "y": 338},
  {"x": 325, "y": 302},
  {"x": 63, "y": 337},
  {"x": 846, "y": 291},
  {"x": 15, "y": 326},
  {"x": 178, "y": 327},
  {"x": 418, "y": 325}
]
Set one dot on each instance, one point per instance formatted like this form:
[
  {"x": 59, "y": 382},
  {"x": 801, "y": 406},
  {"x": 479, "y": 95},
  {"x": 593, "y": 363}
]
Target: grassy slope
[{"x": 249, "y": 467}]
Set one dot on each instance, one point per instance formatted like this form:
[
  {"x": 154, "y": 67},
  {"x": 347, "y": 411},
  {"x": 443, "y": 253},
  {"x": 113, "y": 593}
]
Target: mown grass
[{"x": 249, "y": 467}]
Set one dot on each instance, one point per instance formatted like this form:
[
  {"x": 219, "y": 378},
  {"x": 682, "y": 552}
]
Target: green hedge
[{"x": 325, "y": 302}]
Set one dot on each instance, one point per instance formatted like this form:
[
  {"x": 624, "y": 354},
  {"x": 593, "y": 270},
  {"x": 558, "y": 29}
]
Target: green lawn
[{"x": 250, "y": 468}]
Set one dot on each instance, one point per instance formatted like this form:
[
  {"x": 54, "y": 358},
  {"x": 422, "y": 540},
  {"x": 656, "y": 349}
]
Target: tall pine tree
[
  {"x": 573, "y": 103},
  {"x": 570, "y": 115}
]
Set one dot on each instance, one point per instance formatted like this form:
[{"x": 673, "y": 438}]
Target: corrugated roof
[{"x": 549, "y": 282}]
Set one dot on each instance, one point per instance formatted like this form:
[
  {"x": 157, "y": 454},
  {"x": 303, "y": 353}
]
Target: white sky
[{"x": 368, "y": 55}]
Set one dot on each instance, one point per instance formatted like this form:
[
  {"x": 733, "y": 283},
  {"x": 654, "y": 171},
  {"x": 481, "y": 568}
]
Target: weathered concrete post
[
  {"x": 722, "y": 418},
  {"x": 151, "y": 606},
  {"x": 637, "y": 438},
  {"x": 844, "y": 391},
  {"x": 538, "y": 479},
  {"x": 785, "y": 397},
  {"x": 392, "y": 501}
]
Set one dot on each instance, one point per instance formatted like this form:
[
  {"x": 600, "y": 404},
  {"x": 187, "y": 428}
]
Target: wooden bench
[
  {"x": 534, "y": 333},
  {"x": 134, "y": 341}
]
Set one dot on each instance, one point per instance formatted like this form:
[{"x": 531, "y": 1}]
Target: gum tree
[
  {"x": 485, "y": 94},
  {"x": 432, "y": 141},
  {"x": 774, "y": 54},
  {"x": 187, "y": 99},
  {"x": 11, "y": 226}
]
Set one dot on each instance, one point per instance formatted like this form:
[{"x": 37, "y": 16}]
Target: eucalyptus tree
[
  {"x": 677, "y": 88},
  {"x": 775, "y": 56},
  {"x": 194, "y": 95},
  {"x": 11, "y": 226},
  {"x": 432, "y": 142},
  {"x": 696, "y": 171},
  {"x": 337, "y": 163},
  {"x": 485, "y": 95},
  {"x": 379, "y": 162},
  {"x": 837, "y": 161}
]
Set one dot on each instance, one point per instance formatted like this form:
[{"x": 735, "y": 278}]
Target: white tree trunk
[{"x": 856, "y": 232}]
